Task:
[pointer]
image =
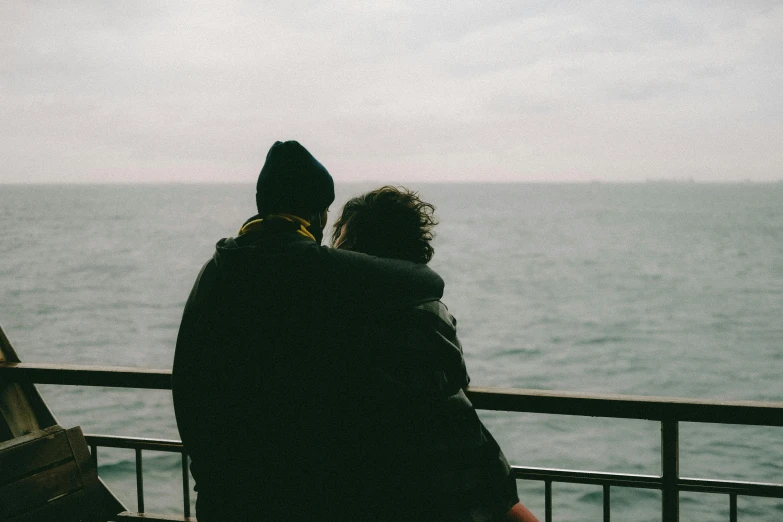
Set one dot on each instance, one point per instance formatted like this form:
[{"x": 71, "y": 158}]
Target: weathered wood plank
[
  {"x": 16, "y": 411},
  {"x": 30, "y": 436},
  {"x": 74, "y": 507},
  {"x": 79, "y": 450},
  {"x": 39, "y": 489},
  {"x": 7, "y": 352},
  {"x": 102, "y": 500},
  {"x": 22, "y": 410},
  {"x": 27, "y": 457}
]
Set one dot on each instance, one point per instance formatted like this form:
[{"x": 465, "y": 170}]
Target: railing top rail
[
  {"x": 145, "y": 443},
  {"x": 628, "y": 406},
  {"x": 87, "y": 375},
  {"x": 499, "y": 399}
]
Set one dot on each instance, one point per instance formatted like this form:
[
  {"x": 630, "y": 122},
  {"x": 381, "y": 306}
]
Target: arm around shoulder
[{"x": 369, "y": 281}]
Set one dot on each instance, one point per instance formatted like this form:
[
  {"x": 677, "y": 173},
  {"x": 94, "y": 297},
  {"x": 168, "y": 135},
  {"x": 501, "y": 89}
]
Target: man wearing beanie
[{"x": 270, "y": 381}]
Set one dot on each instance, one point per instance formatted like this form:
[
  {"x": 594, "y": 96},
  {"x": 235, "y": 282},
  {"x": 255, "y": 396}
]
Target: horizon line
[{"x": 651, "y": 181}]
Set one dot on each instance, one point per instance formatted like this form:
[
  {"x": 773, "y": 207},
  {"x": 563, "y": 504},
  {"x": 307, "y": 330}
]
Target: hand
[{"x": 519, "y": 513}]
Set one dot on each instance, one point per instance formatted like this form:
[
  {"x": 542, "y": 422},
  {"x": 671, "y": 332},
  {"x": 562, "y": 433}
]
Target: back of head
[
  {"x": 387, "y": 222},
  {"x": 293, "y": 181}
]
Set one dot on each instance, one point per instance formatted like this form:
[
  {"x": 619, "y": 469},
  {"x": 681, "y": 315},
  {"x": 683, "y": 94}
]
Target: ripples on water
[{"x": 654, "y": 289}]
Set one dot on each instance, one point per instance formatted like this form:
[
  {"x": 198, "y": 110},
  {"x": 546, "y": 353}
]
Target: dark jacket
[
  {"x": 273, "y": 382},
  {"x": 451, "y": 465}
]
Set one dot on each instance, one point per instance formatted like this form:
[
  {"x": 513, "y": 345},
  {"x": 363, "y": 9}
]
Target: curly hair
[{"x": 387, "y": 222}]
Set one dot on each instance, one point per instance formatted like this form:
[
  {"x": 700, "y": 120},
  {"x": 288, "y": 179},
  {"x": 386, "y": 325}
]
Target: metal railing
[
  {"x": 139, "y": 444},
  {"x": 666, "y": 410},
  {"x": 669, "y": 411}
]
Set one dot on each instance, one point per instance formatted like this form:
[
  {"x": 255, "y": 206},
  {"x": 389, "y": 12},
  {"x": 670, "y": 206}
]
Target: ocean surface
[{"x": 671, "y": 289}]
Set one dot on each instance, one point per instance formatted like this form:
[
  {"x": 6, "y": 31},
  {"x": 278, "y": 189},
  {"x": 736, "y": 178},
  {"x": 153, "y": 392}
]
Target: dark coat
[
  {"x": 276, "y": 386},
  {"x": 445, "y": 460}
]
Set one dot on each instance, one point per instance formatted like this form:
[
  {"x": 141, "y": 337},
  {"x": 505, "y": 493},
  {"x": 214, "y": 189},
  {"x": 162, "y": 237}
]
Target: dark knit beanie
[{"x": 293, "y": 181}]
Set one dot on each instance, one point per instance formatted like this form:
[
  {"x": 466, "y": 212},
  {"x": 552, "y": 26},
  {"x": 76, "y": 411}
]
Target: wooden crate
[{"x": 47, "y": 475}]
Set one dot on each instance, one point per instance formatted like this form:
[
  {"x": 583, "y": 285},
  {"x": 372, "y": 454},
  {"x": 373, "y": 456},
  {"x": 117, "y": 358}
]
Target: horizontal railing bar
[
  {"x": 499, "y": 399},
  {"x": 756, "y": 489},
  {"x": 115, "y": 441},
  {"x": 737, "y": 487},
  {"x": 627, "y": 406},
  {"x": 696, "y": 485},
  {"x": 85, "y": 375},
  {"x": 587, "y": 477}
]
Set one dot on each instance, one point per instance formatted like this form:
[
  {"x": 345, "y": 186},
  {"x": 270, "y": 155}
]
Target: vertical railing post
[
  {"x": 670, "y": 470},
  {"x": 607, "y": 504},
  {"x": 548, "y": 501},
  {"x": 94, "y": 455},
  {"x": 185, "y": 485},
  {"x": 733, "y": 507},
  {"x": 139, "y": 482}
]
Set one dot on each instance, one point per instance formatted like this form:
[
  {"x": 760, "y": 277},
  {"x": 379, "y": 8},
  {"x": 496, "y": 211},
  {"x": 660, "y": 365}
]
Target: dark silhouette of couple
[{"x": 326, "y": 383}]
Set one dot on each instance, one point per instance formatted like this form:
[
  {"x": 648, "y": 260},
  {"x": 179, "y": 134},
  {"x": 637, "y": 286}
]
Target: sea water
[{"x": 671, "y": 289}]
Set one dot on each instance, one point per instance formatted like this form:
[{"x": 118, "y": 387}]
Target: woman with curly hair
[{"x": 440, "y": 462}]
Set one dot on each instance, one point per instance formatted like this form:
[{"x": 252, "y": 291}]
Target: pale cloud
[{"x": 392, "y": 91}]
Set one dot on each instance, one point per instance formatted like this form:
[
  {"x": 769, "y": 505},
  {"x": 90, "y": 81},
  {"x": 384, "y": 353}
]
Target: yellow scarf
[{"x": 256, "y": 224}]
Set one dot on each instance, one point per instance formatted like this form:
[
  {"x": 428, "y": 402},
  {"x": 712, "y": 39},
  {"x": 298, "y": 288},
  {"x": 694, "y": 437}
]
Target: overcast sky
[{"x": 96, "y": 91}]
